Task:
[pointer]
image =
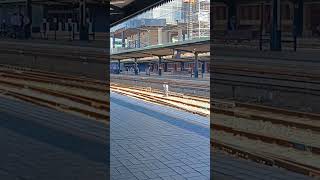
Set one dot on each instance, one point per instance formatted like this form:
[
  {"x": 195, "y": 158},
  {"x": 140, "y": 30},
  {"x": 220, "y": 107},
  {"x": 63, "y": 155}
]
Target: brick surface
[{"x": 156, "y": 142}]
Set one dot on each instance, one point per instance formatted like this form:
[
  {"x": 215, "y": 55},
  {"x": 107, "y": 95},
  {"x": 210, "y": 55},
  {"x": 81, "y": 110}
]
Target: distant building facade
[
  {"x": 301, "y": 14},
  {"x": 51, "y": 14}
]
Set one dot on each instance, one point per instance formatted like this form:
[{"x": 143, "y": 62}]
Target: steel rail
[
  {"x": 33, "y": 72},
  {"x": 161, "y": 101},
  {"x": 52, "y": 81},
  {"x": 265, "y": 138},
  {"x": 58, "y": 106},
  {"x": 267, "y": 159}
]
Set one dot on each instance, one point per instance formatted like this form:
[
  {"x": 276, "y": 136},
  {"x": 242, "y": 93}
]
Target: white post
[{"x": 166, "y": 89}]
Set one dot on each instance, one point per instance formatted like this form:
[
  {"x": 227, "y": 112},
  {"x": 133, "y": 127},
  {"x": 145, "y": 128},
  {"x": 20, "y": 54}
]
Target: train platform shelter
[{"x": 162, "y": 56}]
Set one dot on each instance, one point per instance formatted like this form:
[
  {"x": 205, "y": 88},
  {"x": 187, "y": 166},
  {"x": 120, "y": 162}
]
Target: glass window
[{"x": 172, "y": 22}]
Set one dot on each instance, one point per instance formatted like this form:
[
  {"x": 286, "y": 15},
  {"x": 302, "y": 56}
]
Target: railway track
[
  {"x": 37, "y": 73},
  {"x": 47, "y": 80},
  {"x": 293, "y": 132},
  {"x": 186, "y": 87},
  {"x": 269, "y": 85},
  {"x": 190, "y": 104},
  {"x": 267, "y": 159},
  {"x": 80, "y": 96},
  {"x": 268, "y": 135}
]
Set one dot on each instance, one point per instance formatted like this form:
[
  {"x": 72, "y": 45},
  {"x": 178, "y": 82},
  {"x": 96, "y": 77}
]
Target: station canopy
[{"x": 199, "y": 46}]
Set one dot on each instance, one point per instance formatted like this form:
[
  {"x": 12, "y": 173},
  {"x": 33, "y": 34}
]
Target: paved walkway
[
  {"x": 154, "y": 142},
  {"x": 34, "y": 145},
  {"x": 150, "y": 141}
]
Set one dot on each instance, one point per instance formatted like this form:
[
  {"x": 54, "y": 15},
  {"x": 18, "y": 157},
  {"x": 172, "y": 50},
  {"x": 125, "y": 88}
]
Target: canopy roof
[{"x": 198, "y": 45}]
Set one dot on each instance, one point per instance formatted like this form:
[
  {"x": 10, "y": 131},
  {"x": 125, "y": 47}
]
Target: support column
[
  {"x": 195, "y": 71},
  {"x": 298, "y": 18},
  {"x": 232, "y": 15},
  {"x": 306, "y": 20},
  {"x": 135, "y": 66},
  {"x": 159, "y": 66},
  {"x": 276, "y": 26},
  {"x": 28, "y": 30},
  {"x": 203, "y": 67},
  {"x": 119, "y": 67},
  {"x": 165, "y": 67},
  {"x": 84, "y": 30},
  {"x": 182, "y": 66}
]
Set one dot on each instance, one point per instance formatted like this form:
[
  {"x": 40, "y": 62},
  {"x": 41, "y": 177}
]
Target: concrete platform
[
  {"x": 155, "y": 142},
  {"x": 33, "y": 147},
  {"x": 150, "y": 141}
]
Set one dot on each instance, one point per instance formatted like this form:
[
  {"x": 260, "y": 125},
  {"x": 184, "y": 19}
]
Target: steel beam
[
  {"x": 28, "y": 30},
  {"x": 196, "y": 71},
  {"x": 298, "y": 17},
  {"x": 84, "y": 30},
  {"x": 159, "y": 65},
  {"x": 119, "y": 66},
  {"x": 135, "y": 66},
  {"x": 182, "y": 66},
  {"x": 165, "y": 67}
]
